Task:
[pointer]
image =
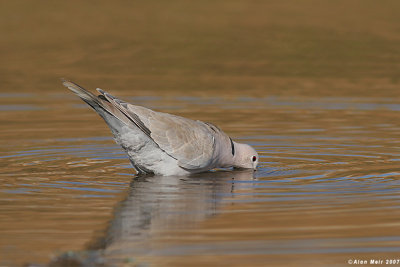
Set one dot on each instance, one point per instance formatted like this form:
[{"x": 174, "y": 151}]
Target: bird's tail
[
  {"x": 85, "y": 95},
  {"x": 99, "y": 103}
]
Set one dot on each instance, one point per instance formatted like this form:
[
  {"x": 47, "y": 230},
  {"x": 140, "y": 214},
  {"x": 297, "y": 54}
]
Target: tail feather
[
  {"x": 99, "y": 103},
  {"x": 85, "y": 95}
]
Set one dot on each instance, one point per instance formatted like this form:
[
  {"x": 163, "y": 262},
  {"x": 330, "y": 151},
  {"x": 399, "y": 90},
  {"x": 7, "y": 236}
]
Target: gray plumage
[{"x": 163, "y": 143}]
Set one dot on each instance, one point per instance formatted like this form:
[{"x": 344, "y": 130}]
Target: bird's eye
[{"x": 254, "y": 158}]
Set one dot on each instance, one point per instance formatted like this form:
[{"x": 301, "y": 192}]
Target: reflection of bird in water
[
  {"x": 166, "y": 144},
  {"x": 158, "y": 204}
]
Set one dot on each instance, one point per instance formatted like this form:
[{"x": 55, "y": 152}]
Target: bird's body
[{"x": 166, "y": 144}]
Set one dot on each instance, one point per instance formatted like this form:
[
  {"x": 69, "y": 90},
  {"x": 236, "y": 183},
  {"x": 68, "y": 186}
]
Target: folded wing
[{"x": 190, "y": 142}]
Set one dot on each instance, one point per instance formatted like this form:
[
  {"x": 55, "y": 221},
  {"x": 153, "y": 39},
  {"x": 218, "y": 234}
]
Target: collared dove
[{"x": 165, "y": 144}]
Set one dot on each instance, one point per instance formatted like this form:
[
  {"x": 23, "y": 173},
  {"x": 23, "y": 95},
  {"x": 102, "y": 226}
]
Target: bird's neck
[{"x": 237, "y": 158}]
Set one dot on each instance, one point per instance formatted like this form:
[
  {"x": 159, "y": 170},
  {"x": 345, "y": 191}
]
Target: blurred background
[
  {"x": 313, "y": 85},
  {"x": 308, "y": 47}
]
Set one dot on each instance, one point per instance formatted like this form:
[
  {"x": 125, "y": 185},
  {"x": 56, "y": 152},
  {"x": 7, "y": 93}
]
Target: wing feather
[{"x": 190, "y": 142}]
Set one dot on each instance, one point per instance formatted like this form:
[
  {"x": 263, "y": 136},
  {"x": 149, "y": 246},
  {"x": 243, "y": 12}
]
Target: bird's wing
[{"x": 191, "y": 142}]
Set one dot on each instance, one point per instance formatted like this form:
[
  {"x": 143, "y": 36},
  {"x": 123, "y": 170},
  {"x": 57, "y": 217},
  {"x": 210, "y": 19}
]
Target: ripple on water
[{"x": 328, "y": 183}]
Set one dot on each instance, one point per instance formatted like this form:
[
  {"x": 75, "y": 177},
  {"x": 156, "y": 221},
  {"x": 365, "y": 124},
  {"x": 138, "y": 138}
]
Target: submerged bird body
[{"x": 163, "y": 143}]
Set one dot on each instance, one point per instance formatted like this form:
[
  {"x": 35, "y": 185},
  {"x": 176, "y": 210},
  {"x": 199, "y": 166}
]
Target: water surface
[{"x": 326, "y": 190}]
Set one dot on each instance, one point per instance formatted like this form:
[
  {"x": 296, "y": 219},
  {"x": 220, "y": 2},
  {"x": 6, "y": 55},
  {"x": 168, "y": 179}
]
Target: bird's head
[{"x": 245, "y": 157}]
